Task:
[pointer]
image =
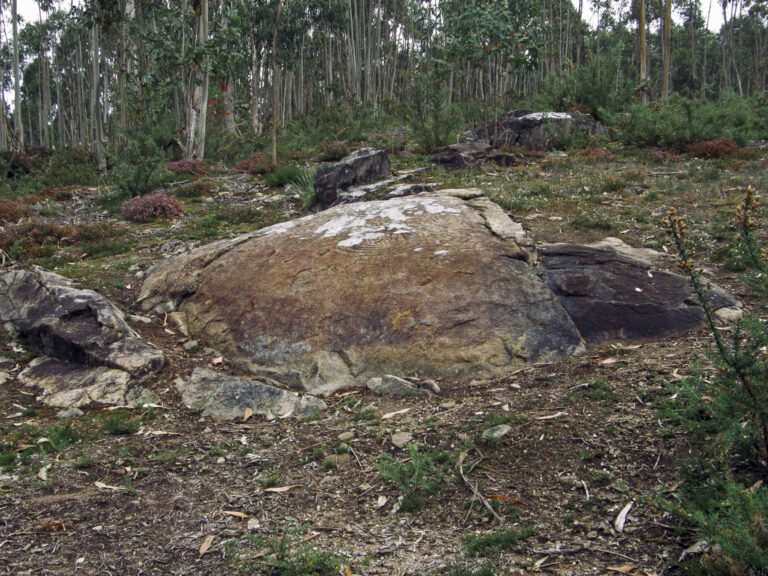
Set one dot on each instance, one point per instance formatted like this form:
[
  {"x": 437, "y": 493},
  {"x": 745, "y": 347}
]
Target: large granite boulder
[
  {"x": 441, "y": 285},
  {"x": 611, "y": 295},
  {"x": 361, "y": 167},
  {"x": 534, "y": 130},
  {"x": 87, "y": 350}
]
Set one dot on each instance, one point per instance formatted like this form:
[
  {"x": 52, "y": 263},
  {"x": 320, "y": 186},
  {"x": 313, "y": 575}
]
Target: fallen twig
[
  {"x": 580, "y": 549},
  {"x": 475, "y": 491}
]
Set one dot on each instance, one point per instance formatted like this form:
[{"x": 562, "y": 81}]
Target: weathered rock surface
[
  {"x": 88, "y": 350},
  {"x": 440, "y": 284},
  {"x": 612, "y": 296},
  {"x": 465, "y": 154},
  {"x": 66, "y": 385},
  {"x": 395, "y": 187},
  {"x": 227, "y": 397},
  {"x": 389, "y": 385},
  {"x": 437, "y": 284},
  {"x": 533, "y": 130},
  {"x": 361, "y": 167}
]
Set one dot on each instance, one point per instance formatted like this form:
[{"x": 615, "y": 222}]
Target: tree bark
[
  {"x": 95, "y": 111},
  {"x": 667, "y": 56},
  {"x": 275, "y": 110},
  {"x": 18, "y": 126},
  {"x": 641, "y": 27}
]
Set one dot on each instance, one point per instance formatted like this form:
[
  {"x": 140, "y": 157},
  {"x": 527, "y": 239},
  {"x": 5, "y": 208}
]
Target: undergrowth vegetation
[{"x": 726, "y": 417}]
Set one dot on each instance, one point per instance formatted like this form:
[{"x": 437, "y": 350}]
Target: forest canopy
[{"x": 103, "y": 74}]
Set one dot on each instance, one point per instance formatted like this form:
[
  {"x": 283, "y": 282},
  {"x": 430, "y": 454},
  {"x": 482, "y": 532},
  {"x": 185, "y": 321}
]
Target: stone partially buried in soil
[
  {"x": 88, "y": 353},
  {"x": 227, "y": 397},
  {"x": 440, "y": 285}
]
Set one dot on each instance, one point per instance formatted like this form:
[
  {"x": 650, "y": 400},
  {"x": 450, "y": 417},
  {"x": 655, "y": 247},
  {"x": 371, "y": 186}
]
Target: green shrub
[
  {"x": 142, "y": 171},
  {"x": 726, "y": 417},
  {"x": 497, "y": 542},
  {"x": 282, "y": 175},
  {"x": 420, "y": 477},
  {"x": 70, "y": 167},
  {"x": 680, "y": 121},
  {"x": 120, "y": 424}
]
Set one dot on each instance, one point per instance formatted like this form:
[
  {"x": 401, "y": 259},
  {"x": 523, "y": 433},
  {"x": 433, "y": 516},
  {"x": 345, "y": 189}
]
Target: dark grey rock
[
  {"x": 534, "y": 130},
  {"x": 611, "y": 296},
  {"x": 88, "y": 353},
  {"x": 360, "y": 167},
  {"x": 52, "y": 318}
]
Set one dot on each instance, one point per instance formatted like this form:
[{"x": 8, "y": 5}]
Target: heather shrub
[
  {"x": 150, "y": 207},
  {"x": 256, "y": 164},
  {"x": 194, "y": 167},
  {"x": 719, "y": 148}
]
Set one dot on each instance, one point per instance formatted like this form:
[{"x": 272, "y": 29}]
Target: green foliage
[
  {"x": 726, "y": 417},
  {"x": 283, "y": 557},
  {"x": 464, "y": 569},
  {"x": 433, "y": 118},
  {"x": 282, "y": 175},
  {"x": 142, "y": 171},
  {"x": 594, "y": 87},
  {"x": 680, "y": 121},
  {"x": 497, "y": 542},
  {"x": 69, "y": 167},
  {"x": 120, "y": 423},
  {"x": 421, "y": 476}
]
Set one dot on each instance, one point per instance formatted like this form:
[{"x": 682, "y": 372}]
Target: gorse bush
[
  {"x": 727, "y": 418},
  {"x": 151, "y": 207}
]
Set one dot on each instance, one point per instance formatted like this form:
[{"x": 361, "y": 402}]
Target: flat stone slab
[
  {"x": 613, "y": 296},
  {"x": 227, "y": 397}
]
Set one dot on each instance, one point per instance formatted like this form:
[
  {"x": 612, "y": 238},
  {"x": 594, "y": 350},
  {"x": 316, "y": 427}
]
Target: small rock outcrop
[
  {"x": 533, "y": 130},
  {"x": 87, "y": 350},
  {"x": 361, "y": 167},
  {"x": 227, "y": 397},
  {"x": 466, "y": 154}
]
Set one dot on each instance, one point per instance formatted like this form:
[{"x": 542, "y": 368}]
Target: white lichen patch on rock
[
  {"x": 548, "y": 116},
  {"x": 375, "y": 220}
]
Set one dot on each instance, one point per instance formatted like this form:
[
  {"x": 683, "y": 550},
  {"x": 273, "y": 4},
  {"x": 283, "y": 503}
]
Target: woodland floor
[{"x": 182, "y": 494}]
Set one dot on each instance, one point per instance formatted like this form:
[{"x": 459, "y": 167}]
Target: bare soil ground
[{"x": 182, "y": 494}]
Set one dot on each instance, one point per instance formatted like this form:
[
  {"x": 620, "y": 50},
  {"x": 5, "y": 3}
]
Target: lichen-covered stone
[{"x": 439, "y": 284}]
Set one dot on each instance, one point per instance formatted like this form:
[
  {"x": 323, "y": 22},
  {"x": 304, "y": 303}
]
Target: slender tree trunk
[
  {"x": 230, "y": 126},
  {"x": 641, "y": 27},
  {"x": 667, "y": 56},
  {"x": 199, "y": 152},
  {"x": 255, "y": 86},
  {"x": 95, "y": 111},
  {"x": 274, "y": 83},
  {"x": 18, "y": 126}
]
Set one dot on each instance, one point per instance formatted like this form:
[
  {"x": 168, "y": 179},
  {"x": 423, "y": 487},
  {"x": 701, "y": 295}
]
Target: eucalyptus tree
[
  {"x": 18, "y": 126},
  {"x": 494, "y": 37}
]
